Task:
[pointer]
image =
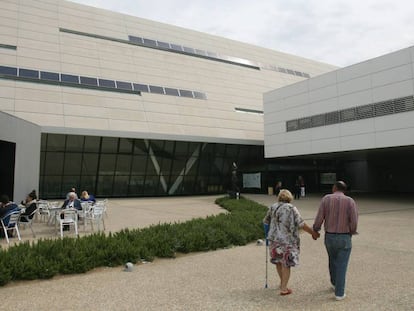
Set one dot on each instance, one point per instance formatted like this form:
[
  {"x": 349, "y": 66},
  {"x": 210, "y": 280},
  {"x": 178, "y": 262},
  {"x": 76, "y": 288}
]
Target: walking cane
[{"x": 266, "y": 230}]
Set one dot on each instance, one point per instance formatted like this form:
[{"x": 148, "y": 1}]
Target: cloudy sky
[{"x": 338, "y": 32}]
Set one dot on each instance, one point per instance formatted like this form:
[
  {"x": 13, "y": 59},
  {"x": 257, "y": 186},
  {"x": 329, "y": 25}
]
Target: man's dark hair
[
  {"x": 4, "y": 199},
  {"x": 340, "y": 185}
]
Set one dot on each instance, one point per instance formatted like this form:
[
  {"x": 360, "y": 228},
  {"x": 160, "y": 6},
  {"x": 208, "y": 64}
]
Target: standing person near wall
[{"x": 339, "y": 214}]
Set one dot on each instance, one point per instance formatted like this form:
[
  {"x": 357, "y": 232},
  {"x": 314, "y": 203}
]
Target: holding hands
[{"x": 315, "y": 235}]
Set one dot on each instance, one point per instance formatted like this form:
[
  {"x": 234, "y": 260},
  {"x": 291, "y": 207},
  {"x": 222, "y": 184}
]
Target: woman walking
[{"x": 284, "y": 223}]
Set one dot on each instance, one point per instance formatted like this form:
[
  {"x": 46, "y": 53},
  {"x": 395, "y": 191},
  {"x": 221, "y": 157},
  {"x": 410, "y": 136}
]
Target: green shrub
[{"x": 47, "y": 257}]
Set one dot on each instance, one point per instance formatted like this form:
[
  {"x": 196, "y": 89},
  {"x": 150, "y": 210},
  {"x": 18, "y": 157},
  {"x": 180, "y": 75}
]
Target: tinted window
[
  {"x": 27, "y": 73},
  {"x": 10, "y": 71},
  {"x": 123, "y": 85},
  {"x": 69, "y": 78},
  {"x": 107, "y": 83},
  {"x": 186, "y": 93},
  {"x": 54, "y": 76},
  {"x": 188, "y": 50},
  {"x": 135, "y": 39},
  {"x": 156, "y": 89},
  {"x": 176, "y": 47},
  {"x": 140, "y": 87},
  {"x": 88, "y": 81},
  {"x": 149, "y": 42},
  {"x": 170, "y": 91},
  {"x": 290, "y": 72},
  {"x": 164, "y": 45}
]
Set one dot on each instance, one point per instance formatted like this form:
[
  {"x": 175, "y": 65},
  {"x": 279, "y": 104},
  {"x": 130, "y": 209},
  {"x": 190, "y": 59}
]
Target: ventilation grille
[{"x": 379, "y": 109}]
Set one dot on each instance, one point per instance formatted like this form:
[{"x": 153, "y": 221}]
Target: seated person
[
  {"x": 31, "y": 206},
  {"x": 86, "y": 197},
  {"x": 6, "y": 208},
  {"x": 72, "y": 202}
]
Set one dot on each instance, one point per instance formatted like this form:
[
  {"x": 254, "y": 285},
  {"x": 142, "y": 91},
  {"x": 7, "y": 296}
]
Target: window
[
  {"x": 135, "y": 39},
  {"x": 52, "y": 76},
  {"x": 88, "y": 81},
  {"x": 188, "y": 50},
  {"x": 176, "y": 47},
  {"x": 200, "y": 95},
  {"x": 140, "y": 87},
  {"x": 149, "y": 42},
  {"x": 28, "y": 73},
  {"x": 186, "y": 93},
  {"x": 163, "y": 45},
  {"x": 156, "y": 89},
  {"x": 8, "y": 71},
  {"x": 124, "y": 85},
  {"x": 69, "y": 78},
  {"x": 107, "y": 83},
  {"x": 170, "y": 91}
]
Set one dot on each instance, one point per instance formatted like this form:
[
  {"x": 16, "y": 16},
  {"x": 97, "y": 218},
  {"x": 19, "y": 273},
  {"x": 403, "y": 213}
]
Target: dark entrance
[{"x": 7, "y": 160}]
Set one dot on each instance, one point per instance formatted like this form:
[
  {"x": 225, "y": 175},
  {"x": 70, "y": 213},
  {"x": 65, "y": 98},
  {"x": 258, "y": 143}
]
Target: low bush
[{"x": 47, "y": 257}]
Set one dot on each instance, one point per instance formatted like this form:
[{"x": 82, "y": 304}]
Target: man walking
[{"x": 339, "y": 214}]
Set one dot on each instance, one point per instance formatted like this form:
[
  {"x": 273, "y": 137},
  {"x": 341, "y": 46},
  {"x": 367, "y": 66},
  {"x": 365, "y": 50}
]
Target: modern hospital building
[{"x": 125, "y": 107}]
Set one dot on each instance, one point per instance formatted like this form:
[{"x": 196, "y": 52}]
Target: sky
[{"x": 337, "y": 32}]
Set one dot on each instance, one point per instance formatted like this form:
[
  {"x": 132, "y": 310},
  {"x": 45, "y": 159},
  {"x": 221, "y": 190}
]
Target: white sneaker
[{"x": 338, "y": 298}]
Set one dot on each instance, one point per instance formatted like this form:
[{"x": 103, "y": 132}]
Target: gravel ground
[{"x": 380, "y": 275}]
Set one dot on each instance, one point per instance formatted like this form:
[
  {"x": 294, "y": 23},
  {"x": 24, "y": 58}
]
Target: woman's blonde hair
[{"x": 285, "y": 196}]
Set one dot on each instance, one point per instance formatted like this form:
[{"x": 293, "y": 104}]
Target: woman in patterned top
[{"x": 284, "y": 223}]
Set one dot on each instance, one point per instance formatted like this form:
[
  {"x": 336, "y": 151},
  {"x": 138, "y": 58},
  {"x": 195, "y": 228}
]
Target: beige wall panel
[
  {"x": 24, "y": 105},
  {"x": 35, "y": 63},
  {"x": 128, "y": 126},
  {"x": 69, "y": 40},
  {"x": 38, "y": 95},
  {"x": 38, "y": 45},
  {"x": 24, "y": 52},
  {"x": 6, "y": 104},
  {"x": 128, "y": 115},
  {"x": 6, "y": 91},
  {"x": 81, "y": 70},
  {"x": 79, "y": 60},
  {"x": 85, "y": 122},
  {"x": 7, "y": 58},
  {"x": 41, "y": 119},
  {"x": 38, "y": 36},
  {"x": 85, "y": 111}
]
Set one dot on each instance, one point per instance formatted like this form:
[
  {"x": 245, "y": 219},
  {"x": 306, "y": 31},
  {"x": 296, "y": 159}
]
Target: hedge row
[{"x": 48, "y": 257}]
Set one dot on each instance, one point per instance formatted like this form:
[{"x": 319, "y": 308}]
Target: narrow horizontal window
[
  {"x": 170, "y": 91},
  {"x": 88, "y": 81},
  {"x": 123, "y": 85},
  {"x": 107, "y": 83},
  {"x": 28, "y": 73},
  {"x": 186, "y": 93},
  {"x": 163, "y": 45},
  {"x": 149, "y": 42},
  {"x": 52, "y": 76},
  {"x": 140, "y": 87},
  {"x": 156, "y": 89},
  {"x": 176, "y": 47},
  {"x": 69, "y": 78},
  {"x": 246, "y": 110},
  {"x": 8, "y": 71},
  {"x": 199, "y": 95},
  {"x": 135, "y": 39}
]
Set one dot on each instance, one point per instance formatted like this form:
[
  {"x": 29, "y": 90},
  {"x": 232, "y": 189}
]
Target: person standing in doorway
[{"x": 339, "y": 214}]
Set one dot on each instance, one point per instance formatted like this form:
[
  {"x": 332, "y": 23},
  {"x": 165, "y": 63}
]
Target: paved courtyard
[{"x": 380, "y": 275}]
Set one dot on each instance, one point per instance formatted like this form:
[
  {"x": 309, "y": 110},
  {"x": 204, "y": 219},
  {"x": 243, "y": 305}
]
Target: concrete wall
[
  {"x": 26, "y": 136},
  {"x": 379, "y": 79}
]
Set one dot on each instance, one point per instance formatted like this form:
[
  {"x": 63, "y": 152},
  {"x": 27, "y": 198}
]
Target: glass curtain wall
[{"x": 125, "y": 167}]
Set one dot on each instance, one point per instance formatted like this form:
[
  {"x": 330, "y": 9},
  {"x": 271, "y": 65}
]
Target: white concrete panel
[
  {"x": 323, "y": 132},
  {"x": 127, "y": 125},
  {"x": 38, "y": 95},
  {"x": 354, "y": 85},
  {"x": 7, "y": 104},
  {"x": 275, "y": 151},
  {"x": 42, "y": 119},
  {"x": 355, "y": 99},
  {"x": 358, "y": 142},
  {"x": 86, "y": 122},
  {"x": 354, "y": 71},
  {"x": 395, "y": 121},
  {"x": 392, "y": 75},
  {"x": 395, "y": 90},
  {"x": 298, "y": 136},
  {"x": 81, "y": 110},
  {"x": 322, "y": 81},
  {"x": 357, "y": 127},
  {"x": 323, "y": 93},
  {"x": 394, "y": 138},
  {"x": 394, "y": 59},
  {"x": 325, "y": 145},
  {"x": 298, "y": 148},
  {"x": 294, "y": 89},
  {"x": 296, "y": 100},
  {"x": 324, "y": 106}
]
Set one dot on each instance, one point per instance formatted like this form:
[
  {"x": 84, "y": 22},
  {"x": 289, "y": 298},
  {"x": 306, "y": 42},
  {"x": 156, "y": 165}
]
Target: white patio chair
[
  {"x": 13, "y": 224},
  {"x": 43, "y": 210},
  {"x": 28, "y": 220},
  {"x": 96, "y": 216},
  {"x": 86, "y": 210},
  {"x": 69, "y": 218}
]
